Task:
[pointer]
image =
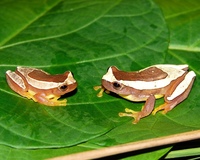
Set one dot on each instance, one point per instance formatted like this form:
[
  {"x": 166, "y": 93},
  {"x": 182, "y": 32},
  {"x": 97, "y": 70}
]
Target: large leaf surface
[
  {"x": 86, "y": 37},
  {"x": 11, "y": 153},
  {"x": 183, "y": 49}
]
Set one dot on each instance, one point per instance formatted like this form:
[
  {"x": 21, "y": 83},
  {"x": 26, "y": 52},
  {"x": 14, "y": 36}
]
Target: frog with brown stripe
[
  {"x": 173, "y": 82},
  {"x": 40, "y": 86}
]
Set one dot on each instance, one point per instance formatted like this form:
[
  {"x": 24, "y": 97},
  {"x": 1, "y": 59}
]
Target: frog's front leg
[
  {"x": 102, "y": 89},
  {"x": 146, "y": 110},
  {"x": 49, "y": 100},
  {"x": 178, "y": 95}
]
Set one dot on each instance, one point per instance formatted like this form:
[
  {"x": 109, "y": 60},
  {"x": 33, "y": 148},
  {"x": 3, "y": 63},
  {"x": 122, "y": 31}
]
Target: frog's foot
[
  {"x": 131, "y": 113},
  {"x": 100, "y": 94},
  {"x": 50, "y": 100},
  {"x": 146, "y": 110},
  {"x": 166, "y": 107},
  {"x": 97, "y": 87}
]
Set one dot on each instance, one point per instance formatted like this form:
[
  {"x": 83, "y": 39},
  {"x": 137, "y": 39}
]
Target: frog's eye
[
  {"x": 63, "y": 87},
  {"x": 116, "y": 85}
]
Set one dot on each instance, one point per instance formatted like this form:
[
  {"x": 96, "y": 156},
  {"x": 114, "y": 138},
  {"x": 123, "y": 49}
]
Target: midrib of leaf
[
  {"x": 51, "y": 37},
  {"x": 184, "y": 48},
  {"x": 182, "y": 13},
  {"x": 28, "y": 24}
]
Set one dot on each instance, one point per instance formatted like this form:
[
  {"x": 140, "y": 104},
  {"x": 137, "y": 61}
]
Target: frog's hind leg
[
  {"x": 146, "y": 110},
  {"x": 18, "y": 84},
  {"x": 179, "y": 94},
  {"x": 49, "y": 100}
]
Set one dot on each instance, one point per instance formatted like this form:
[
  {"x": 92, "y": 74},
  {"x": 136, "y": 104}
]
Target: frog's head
[
  {"x": 65, "y": 83},
  {"x": 114, "y": 81}
]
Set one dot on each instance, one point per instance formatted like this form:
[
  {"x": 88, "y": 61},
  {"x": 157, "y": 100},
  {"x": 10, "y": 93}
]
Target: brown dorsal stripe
[
  {"x": 42, "y": 76},
  {"x": 149, "y": 74}
]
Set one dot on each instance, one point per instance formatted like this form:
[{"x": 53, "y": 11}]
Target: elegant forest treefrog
[
  {"x": 41, "y": 86},
  {"x": 174, "y": 82}
]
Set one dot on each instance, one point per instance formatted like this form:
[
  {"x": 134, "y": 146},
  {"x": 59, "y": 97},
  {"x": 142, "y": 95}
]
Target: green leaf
[
  {"x": 86, "y": 37},
  {"x": 184, "y": 153},
  {"x": 149, "y": 154},
  {"x": 12, "y": 153},
  {"x": 183, "y": 21}
]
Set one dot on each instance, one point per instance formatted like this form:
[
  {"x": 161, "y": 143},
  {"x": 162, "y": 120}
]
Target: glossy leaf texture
[
  {"x": 86, "y": 37},
  {"x": 183, "y": 49}
]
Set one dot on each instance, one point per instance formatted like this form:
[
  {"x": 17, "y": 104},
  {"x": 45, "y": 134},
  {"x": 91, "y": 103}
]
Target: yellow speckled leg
[
  {"x": 166, "y": 107},
  {"x": 170, "y": 104},
  {"x": 146, "y": 110},
  {"x": 97, "y": 87},
  {"x": 49, "y": 100},
  {"x": 100, "y": 94},
  {"x": 27, "y": 94},
  {"x": 131, "y": 113},
  {"x": 57, "y": 102},
  {"x": 30, "y": 94}
]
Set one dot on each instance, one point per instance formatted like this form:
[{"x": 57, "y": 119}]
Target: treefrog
[
  {"x": 40, "y": 86},
  {"x": 173, "y": 82}
]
